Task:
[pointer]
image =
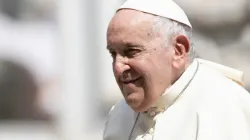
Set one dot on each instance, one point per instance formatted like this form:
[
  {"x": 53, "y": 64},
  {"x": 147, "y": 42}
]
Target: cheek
[
  {"x": 157, "y": 74},
  {"x": 145, "y": 67}
]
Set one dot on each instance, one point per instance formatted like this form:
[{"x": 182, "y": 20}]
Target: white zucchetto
[{"x": 164, "y": 8}]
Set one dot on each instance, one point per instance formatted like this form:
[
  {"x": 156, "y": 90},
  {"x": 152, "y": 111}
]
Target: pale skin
[{"x": 144, "y": 63}]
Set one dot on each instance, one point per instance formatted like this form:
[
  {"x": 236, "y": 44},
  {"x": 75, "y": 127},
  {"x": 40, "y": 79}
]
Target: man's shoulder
[
  {"x": 219, "y": 91},
  {"x": 119, "y": 122},
  {"x": 214, "y": 79},
  {"x": 120, "y": 112},
  {"x": 119, "y": 108},
  {"x": 217, "y": 75}
]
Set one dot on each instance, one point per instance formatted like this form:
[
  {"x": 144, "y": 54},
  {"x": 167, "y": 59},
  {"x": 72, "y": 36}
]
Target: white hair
[{"x": 172, "y": 28}]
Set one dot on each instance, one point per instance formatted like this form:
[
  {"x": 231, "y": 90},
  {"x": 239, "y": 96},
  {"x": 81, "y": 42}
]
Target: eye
[{"x": 131, "y": 52}]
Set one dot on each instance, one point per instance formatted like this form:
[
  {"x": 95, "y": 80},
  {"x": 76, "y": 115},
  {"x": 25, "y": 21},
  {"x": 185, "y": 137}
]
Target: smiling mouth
[{"x": 131, "y": 81}]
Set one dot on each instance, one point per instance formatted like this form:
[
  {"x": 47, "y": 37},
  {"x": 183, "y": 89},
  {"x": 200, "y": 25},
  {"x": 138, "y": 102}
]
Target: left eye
[{"x": 131, "y": 52}]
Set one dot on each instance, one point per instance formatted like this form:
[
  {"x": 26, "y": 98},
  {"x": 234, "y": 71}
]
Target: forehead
[
  {"x": 130, "y": 25},
  {"x": 130, "y": 16}
]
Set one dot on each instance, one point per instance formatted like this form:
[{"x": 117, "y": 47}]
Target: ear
[{"x": 181, "y": 48}]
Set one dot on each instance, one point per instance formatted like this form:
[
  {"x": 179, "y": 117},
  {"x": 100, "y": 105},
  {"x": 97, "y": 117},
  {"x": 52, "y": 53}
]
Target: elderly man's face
[{"x": 142, "y": 63}]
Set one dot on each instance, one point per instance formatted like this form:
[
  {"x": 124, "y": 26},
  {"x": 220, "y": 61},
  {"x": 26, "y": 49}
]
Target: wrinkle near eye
[{"x": 131, "y": 52}]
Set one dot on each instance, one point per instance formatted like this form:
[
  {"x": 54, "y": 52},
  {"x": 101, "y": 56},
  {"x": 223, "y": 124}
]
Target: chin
[
  {"x": 135, "y": 101},
  {"x": 139, "y": 109},
  {"x": 134, "y": 104},
  {"x": 138, "y": 106},
  {"x": 136, "y": 109},
  {"x": 143, "y": 106}
]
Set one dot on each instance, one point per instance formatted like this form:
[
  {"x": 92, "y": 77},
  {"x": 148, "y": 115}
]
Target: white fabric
[
  {"x": 202, "y": 105},
  {"x": 164, "y": 8},
  {"x": 230, "y": 73}
]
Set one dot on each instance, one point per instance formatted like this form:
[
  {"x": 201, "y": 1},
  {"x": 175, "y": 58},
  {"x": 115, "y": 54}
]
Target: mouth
[{"x": 131, "y": 81}]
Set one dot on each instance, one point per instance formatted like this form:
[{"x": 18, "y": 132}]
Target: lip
[{"x": 131, "y": 81}]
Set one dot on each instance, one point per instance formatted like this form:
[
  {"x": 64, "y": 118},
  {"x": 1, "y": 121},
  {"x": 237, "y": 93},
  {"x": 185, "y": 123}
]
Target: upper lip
[{"x": 129, "y": 80}]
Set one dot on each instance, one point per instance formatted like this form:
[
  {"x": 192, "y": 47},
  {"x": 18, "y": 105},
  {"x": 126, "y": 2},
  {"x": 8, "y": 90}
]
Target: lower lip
[{"x": 131, "y": 82}]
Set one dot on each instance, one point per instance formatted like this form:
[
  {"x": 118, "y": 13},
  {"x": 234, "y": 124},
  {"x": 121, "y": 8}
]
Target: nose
[{"x": 120, "y": 65}]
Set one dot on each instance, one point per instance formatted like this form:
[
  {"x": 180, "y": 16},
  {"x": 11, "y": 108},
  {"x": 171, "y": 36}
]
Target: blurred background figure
[
  {"x": 28, "y": 74},
  {"x": 19, "y": 93},
  {"x": 56, "y": 79}
]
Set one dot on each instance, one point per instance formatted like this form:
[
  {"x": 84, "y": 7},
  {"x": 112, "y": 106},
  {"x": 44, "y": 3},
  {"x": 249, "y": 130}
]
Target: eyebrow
[
  {"x": 128, "y": 45},
  {"x": 132, "y": 45}
]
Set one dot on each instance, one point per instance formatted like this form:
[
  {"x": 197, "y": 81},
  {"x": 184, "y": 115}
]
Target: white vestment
[{"x": 203, "y": 104}]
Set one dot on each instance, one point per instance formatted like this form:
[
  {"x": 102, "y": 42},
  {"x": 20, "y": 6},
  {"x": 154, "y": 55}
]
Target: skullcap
[{"x": 164, "y": 8}]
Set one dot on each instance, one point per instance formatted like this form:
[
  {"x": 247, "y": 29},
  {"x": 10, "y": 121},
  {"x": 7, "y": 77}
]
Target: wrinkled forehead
[
  {"x": 132, "y": 27},
  {"x": 127, "y": 19}
]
